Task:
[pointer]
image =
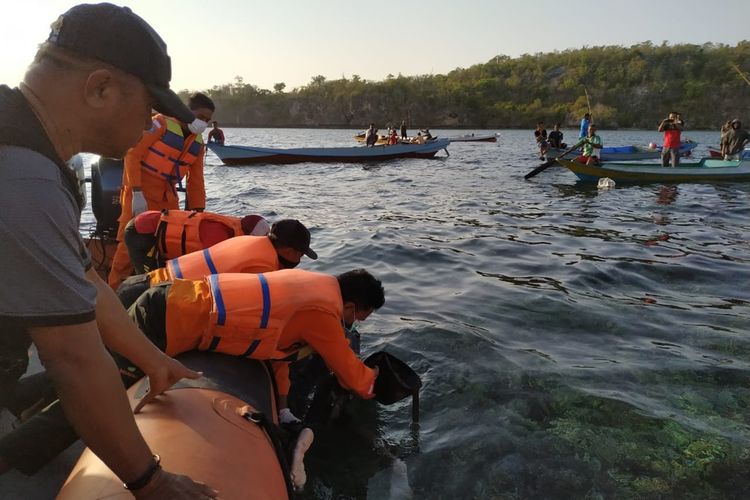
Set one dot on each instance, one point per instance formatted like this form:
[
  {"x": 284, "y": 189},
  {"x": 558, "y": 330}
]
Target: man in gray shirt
[{"x": 90, "y": 88}]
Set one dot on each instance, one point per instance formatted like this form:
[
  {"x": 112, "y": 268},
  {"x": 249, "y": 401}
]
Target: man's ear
[{"x": 100, "y": 88}]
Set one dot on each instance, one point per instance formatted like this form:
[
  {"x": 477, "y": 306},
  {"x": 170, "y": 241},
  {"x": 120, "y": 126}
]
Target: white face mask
[{"x": 198, "y": 126}]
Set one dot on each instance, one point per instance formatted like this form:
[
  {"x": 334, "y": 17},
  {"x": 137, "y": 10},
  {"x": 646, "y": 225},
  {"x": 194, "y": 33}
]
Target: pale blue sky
[{"x": 290, "y": 41}]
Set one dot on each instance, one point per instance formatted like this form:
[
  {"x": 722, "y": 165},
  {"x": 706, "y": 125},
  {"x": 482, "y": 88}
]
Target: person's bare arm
[
  {"x": 93, "y": 396},
  {"x": 94, "y": 400}
]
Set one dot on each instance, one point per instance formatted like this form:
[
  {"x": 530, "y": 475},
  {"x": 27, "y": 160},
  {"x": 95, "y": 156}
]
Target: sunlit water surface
[{"x": 573, "y": 343}]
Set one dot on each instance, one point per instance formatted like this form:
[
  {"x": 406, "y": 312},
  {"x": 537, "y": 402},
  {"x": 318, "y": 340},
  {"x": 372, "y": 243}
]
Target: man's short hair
[
  {"x": 361, "y": 288},
  {"x": 201, "y": 100}
]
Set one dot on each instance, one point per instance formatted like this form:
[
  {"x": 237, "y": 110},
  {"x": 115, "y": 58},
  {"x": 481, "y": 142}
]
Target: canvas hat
[
  {"x": 116, "y": 36},
  {"x": 292, "y": 233},
  {"x": 395, "y": 381}
]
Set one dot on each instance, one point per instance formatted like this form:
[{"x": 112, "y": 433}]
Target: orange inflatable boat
[{"x": 211, "y": 429}]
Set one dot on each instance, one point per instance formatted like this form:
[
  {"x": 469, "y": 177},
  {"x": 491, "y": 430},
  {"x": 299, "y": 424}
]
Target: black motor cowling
[{"x": 106, "y": 179}]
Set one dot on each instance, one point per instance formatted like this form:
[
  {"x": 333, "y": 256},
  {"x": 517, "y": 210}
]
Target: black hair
[
  {"x": 361, "y": 288},
  {"x": 200, "y": 100}
]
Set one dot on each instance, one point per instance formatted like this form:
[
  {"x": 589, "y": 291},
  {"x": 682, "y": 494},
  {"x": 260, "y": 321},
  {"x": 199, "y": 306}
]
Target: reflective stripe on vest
[
  {"x": 250, "y": 311},
  {"x": 241, "y": 254},
  {"x": 171, "y": 156}
]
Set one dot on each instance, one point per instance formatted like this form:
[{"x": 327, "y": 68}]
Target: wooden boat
[
  {"x": 627, "y": 153},
  {"x": 705, "y": 170},
  {"x": 248, "y": 155},
  {"x": 475, "y": 138}
]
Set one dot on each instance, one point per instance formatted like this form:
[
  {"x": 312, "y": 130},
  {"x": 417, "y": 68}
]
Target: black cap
[
  {"x": 292, "y": 233},
  {"x": 116, "y": 36}
]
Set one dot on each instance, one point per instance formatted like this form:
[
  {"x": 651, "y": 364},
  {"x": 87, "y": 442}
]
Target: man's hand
[
  {"x": 166, "y": 486},
  {"x": 163, "y": 376}
]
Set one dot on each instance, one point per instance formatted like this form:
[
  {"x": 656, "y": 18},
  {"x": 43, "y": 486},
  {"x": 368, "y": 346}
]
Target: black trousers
[
  {"x": 149, "y": 312},
  {"x": 141, "y": 248},
  {"x": 46, "y": 434},
  {"x": 132, "y": 288}
]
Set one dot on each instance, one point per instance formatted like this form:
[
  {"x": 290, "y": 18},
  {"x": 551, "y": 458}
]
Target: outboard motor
[
  {"x": 76, "y": 165},
  {"x": 106, "y": 179}
]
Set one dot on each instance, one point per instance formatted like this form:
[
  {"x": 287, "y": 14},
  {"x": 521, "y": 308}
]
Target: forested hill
[{"x": 628, "y": 87}]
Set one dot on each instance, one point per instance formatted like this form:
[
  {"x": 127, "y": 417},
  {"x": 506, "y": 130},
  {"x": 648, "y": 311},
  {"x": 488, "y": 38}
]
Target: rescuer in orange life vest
[
  {"x": 153, "y": 237},
  {"x": 282, "y": 248},
  {"x": 155, "y": 167},
  {"x": 282, "y": 315}
]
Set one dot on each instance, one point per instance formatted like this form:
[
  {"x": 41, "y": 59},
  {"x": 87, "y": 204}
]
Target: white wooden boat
[{"x": 249, "y": 155}]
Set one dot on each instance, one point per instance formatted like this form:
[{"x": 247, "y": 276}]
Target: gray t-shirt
[{"x": 43, "y": 259}]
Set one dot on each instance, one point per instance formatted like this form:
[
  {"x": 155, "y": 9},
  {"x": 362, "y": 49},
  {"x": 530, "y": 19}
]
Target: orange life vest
[
  {"x": 243, "y": 254},
  {"x": 170, "y": 157},
  {"x": 178, "y": 232},
  {"x": 244, "y": 314}
]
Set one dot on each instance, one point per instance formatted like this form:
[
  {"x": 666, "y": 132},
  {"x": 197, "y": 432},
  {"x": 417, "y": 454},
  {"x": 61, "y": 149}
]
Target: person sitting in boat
[
  {"x": 540, "y": 134},
  {"x": 216, "y": 135},
  {"x": 737, "y": 138},
  {"x": 418, "y": 139},
  {"x": 555, "y": 138},
  {"x": 426, "y": 134},
  {"x": 592, "y": 146},
  {"x": 181, "y": 231},
  {"x": 281, "y": 248},
  {"x": 393, "y": 137},
  {"x": 371, "y": 136}
]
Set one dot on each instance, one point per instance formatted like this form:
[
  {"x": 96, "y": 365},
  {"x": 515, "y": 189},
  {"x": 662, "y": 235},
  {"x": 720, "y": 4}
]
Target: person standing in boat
[
  {"x": 216, "y": 134},
  {"x": 555, "y": 138},
  {"x": 584, "y": 128},
  {"x": 169, "y": 151},
  {"x": 672, "y": 128},
  {"x": 371, "y": 136},
  {"x": 592, "y": 147},
  {"x": 281, "y": 248},
  {"x": 737, "y": 139},
  {"x": 404, "y": 136},
  {"x": 91, "y": 87},
  {"x": 540, "y": 134}
]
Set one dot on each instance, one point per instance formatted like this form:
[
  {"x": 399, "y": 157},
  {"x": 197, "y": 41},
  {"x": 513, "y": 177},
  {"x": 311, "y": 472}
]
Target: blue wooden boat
[
  {"x": 705, "y": 170},
  {"x": 628, "y": 153},
  {"x": 248, "y": 155}
]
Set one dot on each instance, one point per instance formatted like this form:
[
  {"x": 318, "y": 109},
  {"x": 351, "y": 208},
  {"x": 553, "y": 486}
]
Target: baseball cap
[
  {"x": 117, "y": 36},
  {"x": 255, "y": 225},
  {"x": 292, "y": 233}
]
